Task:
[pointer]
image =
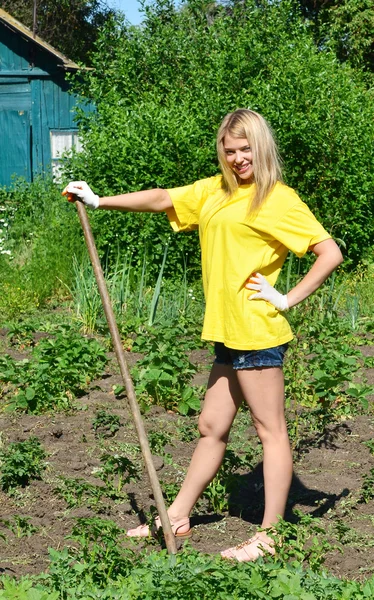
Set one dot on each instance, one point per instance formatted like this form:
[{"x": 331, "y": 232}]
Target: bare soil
[{"x": 326, "y": 477}]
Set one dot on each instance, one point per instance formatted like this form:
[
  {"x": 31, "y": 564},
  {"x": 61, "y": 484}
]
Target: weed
[
  {"x": 21, "y": 334},
  {"x": 124, "y": 448},
  {"x": 105, "y": 424},
  {"x": 157, "y": 440},
  {"x": 187, "y": 430},
  {"x": 25, "y": 589},
  {"x": 344, "y": 533},
  {"x": 302, "y": 541},
  {"x": 116, "y": 471},
  {"x": 41, "y": 239},
  {"x": 370, "y": 445},
  {"x": 20, "y": 526},
  {"x": 367, "y": 488},
  {"x": 77, "y": 491},
  {"x": 21, "y": 462},
  {"x": 169, "y": 491},
  {"x": 226, "y": 480},
  {"x": 217, "y": 493},
  {"x": 319, "y": 372},
  {"x": 16, "y": 301},
  {"x": 98, "y": 549}
]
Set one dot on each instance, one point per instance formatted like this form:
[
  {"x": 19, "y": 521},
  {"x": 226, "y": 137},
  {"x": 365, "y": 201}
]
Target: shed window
[{"x": 62, "y": 141}]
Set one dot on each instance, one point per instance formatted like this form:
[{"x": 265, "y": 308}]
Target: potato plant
[
  {"x": 58, "y": 370},
  {"x": 20, "y": 462}
]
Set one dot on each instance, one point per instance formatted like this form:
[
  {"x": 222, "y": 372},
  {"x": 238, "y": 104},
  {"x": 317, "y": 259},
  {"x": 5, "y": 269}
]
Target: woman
[{"x": 248, "y": 220}]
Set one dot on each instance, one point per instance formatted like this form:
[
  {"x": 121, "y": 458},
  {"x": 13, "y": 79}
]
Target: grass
[{"x": 36, "y": 254}]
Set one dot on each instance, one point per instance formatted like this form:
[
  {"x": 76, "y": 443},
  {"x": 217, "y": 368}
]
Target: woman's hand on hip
[{"x": 265, "y": 291}]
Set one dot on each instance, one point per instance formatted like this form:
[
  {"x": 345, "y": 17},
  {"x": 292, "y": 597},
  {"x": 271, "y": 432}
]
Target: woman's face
[{"x": 239, "y": 157}]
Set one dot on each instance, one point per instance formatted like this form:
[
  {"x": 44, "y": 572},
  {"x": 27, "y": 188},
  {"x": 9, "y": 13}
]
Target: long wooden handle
[{"x": 155, "y": 484}]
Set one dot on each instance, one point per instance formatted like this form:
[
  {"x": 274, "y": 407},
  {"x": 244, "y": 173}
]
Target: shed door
[{"x": 15, "y": 131}]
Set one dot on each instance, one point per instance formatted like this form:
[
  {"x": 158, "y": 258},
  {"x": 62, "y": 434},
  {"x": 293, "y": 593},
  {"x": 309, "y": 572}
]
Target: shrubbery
[
  {"x": 41, "y": 238},
  {"x": 161, "y": 91}
]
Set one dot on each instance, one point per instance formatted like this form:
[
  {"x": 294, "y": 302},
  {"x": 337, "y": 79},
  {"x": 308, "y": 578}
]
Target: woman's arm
[
  {"x": 328, "y": 258},
  {"x": 156, "y": 200}
]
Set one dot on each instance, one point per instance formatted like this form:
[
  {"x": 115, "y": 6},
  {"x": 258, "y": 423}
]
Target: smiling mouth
[{"x": 242, "y": 168}]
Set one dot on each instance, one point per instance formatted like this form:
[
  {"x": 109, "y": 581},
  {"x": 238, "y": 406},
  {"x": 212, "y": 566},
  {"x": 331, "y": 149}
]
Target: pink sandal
[
  {"x": 250, "y": 550},
  {"x": 144, "y": 531}
]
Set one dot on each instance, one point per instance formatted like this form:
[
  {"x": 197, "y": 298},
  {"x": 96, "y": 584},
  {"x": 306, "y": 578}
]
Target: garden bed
[{"x": 327, "y": 484}]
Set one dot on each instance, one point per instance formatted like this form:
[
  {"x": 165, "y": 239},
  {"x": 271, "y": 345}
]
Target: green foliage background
[
  {"x": 41, "y": 236},
  {"x": 348, "y": 25},
  {"x": 162, "y": 89}
]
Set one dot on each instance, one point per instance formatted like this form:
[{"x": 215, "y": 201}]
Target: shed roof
[{"x": 13, "y": 24}]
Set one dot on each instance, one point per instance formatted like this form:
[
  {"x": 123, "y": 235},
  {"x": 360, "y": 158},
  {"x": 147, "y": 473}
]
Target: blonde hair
[{"x": 267, "y": 170}]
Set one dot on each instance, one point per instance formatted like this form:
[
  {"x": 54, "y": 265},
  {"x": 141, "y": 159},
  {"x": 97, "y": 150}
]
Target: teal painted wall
[
  {"x": 15, "y": 130},
  {"x": 34, "y": 100}
]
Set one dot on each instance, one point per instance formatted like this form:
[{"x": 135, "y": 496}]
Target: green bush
[
  {"x": 41, "y": 237},
  {"x": 161, "y": 91}
]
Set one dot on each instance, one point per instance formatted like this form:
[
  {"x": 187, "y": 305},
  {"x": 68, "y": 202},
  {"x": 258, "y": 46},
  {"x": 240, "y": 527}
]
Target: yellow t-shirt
[{"x": 234, "y": 246}]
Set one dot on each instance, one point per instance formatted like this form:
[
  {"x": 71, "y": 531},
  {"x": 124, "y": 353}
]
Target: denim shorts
[{"x": 249, "y": 359}]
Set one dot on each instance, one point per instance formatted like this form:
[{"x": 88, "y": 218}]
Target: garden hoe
[{"x": 155, "y": 484}]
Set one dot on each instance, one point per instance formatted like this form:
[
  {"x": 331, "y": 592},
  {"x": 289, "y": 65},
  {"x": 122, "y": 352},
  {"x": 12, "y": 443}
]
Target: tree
[
  {"x": 346, "y": 24},
  {"x": 71, "y": 26},
  {"x": 161, "y": 91},
  {"x": 352, "y": 28}
]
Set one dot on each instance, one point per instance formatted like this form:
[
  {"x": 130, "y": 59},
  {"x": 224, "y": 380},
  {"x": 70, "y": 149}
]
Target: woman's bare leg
[
  {"x": 263, "y": 390},
  {"x": 222, "y": 400}
]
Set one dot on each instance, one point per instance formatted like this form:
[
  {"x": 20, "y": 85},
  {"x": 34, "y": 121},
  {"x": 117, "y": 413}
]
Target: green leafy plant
[
  {"x": 99, "y": 568},
  {"x": 187, "y": 430},
  {"x": 98, "y": 548},
  {"x": 170, "y": 490},
  {"x": 370, "y": 445},
  {"x": 117, "y": 470},
  {"x": 367, "y": 488},
  {"x": 162, "y": 377},
  {"x": 59, "y": 369},
  {"x": 77, "y": 491},
  {"x": 41, "y": 239},
  {"x": 320, "y": 372},
  {"x": 227, "y": 479},
  {"x": 20, "y": 462},
  {"x": 157, "y": 440},
  {"x": 25, "y": 589},
  {"x": 20, "y": 526},
  {"x": 301, "y": 542},
  {"x": 105, "y": 424},
  {"x": 21, "y": 334}
]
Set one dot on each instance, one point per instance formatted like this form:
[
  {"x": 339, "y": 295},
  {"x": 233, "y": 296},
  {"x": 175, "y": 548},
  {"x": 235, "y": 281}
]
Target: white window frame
[{"x": 62, "y": 140}]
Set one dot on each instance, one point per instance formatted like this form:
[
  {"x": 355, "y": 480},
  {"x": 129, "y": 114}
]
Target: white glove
[
  {"x": 83, "y": 192},
  {"x": 266, "y": 292}
]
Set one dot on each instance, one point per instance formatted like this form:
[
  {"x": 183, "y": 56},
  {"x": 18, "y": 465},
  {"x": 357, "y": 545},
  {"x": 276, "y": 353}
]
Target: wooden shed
[{"x": 36, "y": 108}]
